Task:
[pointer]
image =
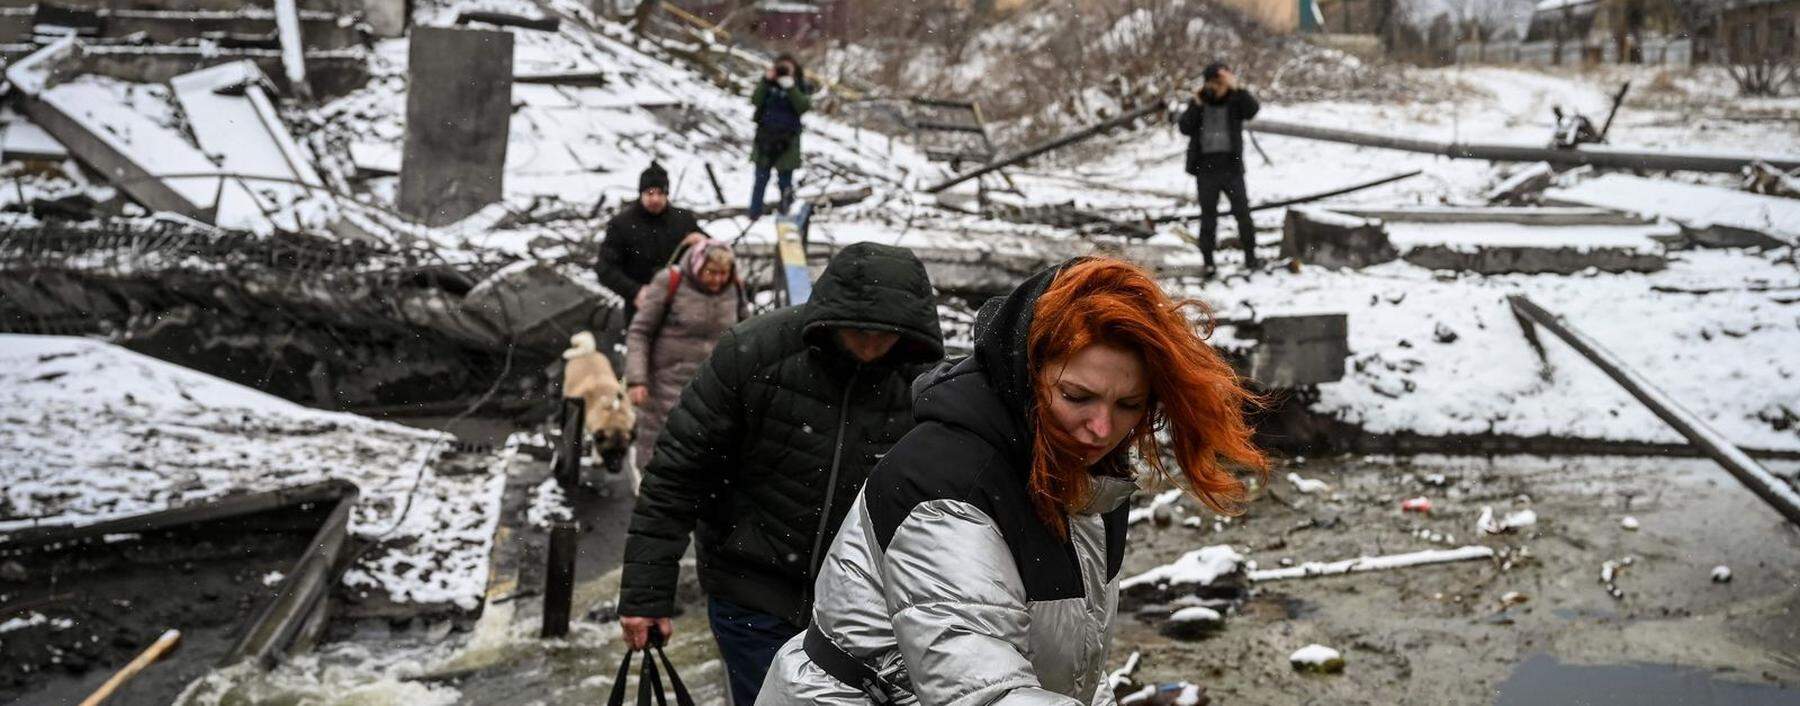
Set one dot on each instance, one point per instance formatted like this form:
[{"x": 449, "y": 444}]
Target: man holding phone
[{"x": 1214, "y": 124}]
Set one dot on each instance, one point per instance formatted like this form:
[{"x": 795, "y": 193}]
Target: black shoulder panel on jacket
[
  {"x": 1116, "y": 522},
  {"x": 936, "y": 461}
]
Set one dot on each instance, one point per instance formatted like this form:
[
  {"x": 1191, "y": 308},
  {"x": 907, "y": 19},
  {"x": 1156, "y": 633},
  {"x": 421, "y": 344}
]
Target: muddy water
[{"x": 1423, "y": 635}]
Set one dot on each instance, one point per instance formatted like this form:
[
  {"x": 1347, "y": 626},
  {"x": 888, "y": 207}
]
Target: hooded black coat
[{"x": 765, "y": 452}]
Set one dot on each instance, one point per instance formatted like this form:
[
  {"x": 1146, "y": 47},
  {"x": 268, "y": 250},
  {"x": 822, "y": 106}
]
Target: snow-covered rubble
[
  {"x": 1714, "y": 330},
  {"x": 92, "y": 431}
]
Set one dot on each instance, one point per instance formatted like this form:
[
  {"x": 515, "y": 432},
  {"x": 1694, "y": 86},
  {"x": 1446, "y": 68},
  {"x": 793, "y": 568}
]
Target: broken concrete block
[
  {"x": 458, "y": 111},
  {"x": 1320, "y": 237},
  {"x": 1296, "y": 351},
  {"x": 1524, "y": 186},
  {"x": 540, "y": 304}
]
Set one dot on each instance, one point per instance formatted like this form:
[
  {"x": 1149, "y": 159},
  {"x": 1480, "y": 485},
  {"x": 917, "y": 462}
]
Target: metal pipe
[
  {"x": 1052, "y": 145},
  {"x": 1586, "y": 155},
  {"x": 1773, "y": 490},
  {"x": 1295, "y": 200}
]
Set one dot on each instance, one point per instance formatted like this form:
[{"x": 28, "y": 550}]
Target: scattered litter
[
  {"x": 1435, "y": 479},
  {"x": 1192, "y": 521},
  {"x": 1512, "y": 598},
  {"x": 1317, "y": 658},
  {"x": 1629, "y": 523},
  {"x": 1162, "y": 499},
  {"x": 1308, "y": 485},
  {"x": 272, "y": 578},
  {"x": 1721, "y": 574},
  {"x": 1374, "y": 563},
  {"x": 1122, "y": 676},
  {"x": 1609, "y": 574},
  {"x": 1419, "y": 504},
  {"x": 1513, "y": 521},
  {"x": 1177, "y": 694}
]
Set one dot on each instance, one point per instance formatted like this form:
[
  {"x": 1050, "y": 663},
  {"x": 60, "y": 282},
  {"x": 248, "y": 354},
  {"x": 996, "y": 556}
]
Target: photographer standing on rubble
[
  {"x": 1214, "y": 123},
  {"x": 780, "y": 99},
  {"x": 642, "y": 239}
]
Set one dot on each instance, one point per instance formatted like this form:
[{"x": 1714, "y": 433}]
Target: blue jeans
[
  {"x": 784, "y": 181},
  {"x": 748, "y": 641}
]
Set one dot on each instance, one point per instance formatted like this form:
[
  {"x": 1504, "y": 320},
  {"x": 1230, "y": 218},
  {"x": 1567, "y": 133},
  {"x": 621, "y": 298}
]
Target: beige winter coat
[{"x": 671, "y": 335}]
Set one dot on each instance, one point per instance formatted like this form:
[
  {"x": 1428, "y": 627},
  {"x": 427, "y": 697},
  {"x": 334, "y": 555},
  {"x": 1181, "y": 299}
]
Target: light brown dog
[{"x": 610, "y": 418}]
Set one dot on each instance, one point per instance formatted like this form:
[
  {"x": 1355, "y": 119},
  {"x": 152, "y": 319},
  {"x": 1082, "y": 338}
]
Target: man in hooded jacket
[{"x": 767, "y": 448}]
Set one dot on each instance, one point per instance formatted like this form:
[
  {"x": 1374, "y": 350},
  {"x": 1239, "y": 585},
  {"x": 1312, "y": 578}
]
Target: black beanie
[{"x": 653, "y": 178}]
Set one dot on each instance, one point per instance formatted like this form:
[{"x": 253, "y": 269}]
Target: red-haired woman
[{"x": 980, "y": 563}]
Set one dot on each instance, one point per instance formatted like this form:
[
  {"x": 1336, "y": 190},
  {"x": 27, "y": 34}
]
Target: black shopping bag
[{"x": 650, "y": 683}]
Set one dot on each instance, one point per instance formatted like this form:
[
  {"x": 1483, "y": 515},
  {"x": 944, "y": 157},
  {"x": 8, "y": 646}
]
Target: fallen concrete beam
[
  {"x": 112, "y": 135},
  {"x": 840, "y": 197},
  {"x": 1778, "y": 493},
  {"x": 504, "y": 19},
  {"x": 1283, "y": 203},
  {"x": 1529, "y": 216},
  {"x": 1590, "y": 155},
  {"x": 1514, "y": 259},
  {"x": 1703, "y": 211},
  {"x": 1049, "y": 146}
]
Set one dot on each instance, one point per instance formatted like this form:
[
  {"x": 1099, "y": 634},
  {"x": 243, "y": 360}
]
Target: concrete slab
[
  {"x": 229, "y": 110},
  {"x": 1701, "y": 210},
  {"x": 458, "y": 111},
  {"x": 1320, "y": 237},
  {"x": 118, "y": 129},
  {"x": 1300, "y": 350}
]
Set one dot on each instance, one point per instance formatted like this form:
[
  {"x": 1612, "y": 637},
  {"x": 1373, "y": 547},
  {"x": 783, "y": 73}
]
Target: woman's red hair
[{"x": 1194, "y": 393}]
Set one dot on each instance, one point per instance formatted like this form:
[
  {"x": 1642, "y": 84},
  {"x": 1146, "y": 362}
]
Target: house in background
[{"x": 1750, "y": 30}]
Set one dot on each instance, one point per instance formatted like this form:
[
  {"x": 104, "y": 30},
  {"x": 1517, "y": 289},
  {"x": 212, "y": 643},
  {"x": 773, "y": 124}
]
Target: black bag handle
[{"x": 650, "y": 683}]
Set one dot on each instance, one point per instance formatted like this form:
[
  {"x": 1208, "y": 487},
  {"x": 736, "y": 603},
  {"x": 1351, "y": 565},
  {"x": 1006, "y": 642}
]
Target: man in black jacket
[
  {"x": 1214, "y": 124},
  {"x": 642, "y": 238},
  {"x": 764, "y": 454}
]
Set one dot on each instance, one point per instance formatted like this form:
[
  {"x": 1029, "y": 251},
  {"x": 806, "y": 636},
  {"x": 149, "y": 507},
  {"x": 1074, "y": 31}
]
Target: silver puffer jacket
[
  {"x": 943, "y": 579},
  {"x": 959, "y": 611}
]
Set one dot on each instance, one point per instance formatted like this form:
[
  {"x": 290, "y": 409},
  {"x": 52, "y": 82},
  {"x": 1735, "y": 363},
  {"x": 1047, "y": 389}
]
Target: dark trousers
[
  {"x": 1230, "y": 181},
  {"x": 784, "y": 180},
  {"x": 748, "y": 641}
]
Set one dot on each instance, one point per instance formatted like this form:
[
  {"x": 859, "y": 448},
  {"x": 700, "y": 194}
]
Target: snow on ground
[
  {"x": 1695, "y": 206},
  {"x": 93, "y": 431},
  {"x": 1727, "y": 355}
]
